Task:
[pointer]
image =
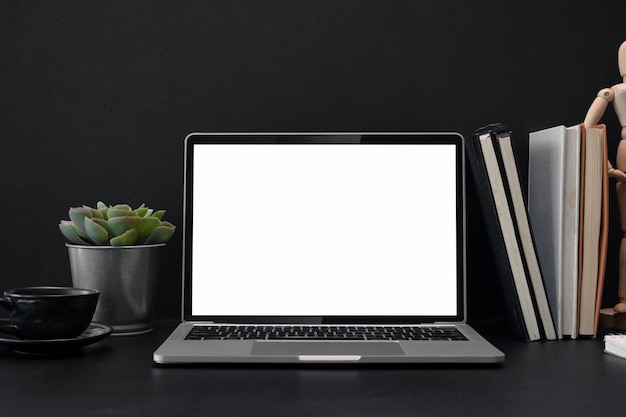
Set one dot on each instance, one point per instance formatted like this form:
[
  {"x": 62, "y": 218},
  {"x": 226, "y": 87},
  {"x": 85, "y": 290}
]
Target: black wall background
[{"x": 97, "y": 97}]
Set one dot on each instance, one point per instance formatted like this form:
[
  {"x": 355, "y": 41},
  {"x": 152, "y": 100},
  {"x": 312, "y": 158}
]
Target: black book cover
[
  {"x": 494, "y": 231},
  {"x": 529, "y": 252}
]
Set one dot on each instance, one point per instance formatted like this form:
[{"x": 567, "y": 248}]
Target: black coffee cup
[{"x": 41, "y": 313}]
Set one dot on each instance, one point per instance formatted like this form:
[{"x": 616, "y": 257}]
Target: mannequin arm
[
  {"x": 617, "y": 174},
  {"x": 598, "y": 107}
]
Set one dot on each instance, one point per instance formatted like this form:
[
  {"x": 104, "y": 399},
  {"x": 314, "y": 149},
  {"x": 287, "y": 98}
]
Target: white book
[
  {"x": 615, "y": 344},
  {"x": 546, "y": 177},
  {"x": 571, "y": 227}
]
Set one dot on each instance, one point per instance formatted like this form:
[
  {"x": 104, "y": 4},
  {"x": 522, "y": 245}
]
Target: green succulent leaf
[
  {"x": 77, "y": 216},
  {"x": 146, "y": 226},
  {"x": 119, "y": 212},
  {"x": 69, "y": 231},
  {"x": 100, "y": 205},
  {"x": 105, "y": 212},
  {"x": 161, "y": 234},
  {"x": 123, "y": 207},
  {"x": 104, "y": 224},
  {"x": 159, "y": 214},
  {"x": 98, "y": 234},
  {"x": 119, "y": 225},
  {"x": 126, "y": 239},
  {"x": 97, "y": 214}
]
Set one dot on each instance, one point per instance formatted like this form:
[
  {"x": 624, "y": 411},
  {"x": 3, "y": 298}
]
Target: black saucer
[{"x": 94, "y": 333}]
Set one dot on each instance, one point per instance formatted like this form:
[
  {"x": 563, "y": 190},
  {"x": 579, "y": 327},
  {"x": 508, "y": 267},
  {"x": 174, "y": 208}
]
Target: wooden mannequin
[{"x": 616, "y": 317}]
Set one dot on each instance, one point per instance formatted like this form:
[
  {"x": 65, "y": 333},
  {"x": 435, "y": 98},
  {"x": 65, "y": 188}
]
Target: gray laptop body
[{"x": 296, "y": 236}]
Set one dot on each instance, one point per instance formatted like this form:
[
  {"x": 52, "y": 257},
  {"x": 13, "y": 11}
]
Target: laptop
[{"x": 324, "y": 248}]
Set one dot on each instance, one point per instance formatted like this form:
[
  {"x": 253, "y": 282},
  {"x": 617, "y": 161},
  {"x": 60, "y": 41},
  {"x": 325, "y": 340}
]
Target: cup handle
[{"x": 10, "y": 329}]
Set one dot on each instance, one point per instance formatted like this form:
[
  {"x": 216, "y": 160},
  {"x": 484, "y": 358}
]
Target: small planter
[{"x": 126, "y": 277}]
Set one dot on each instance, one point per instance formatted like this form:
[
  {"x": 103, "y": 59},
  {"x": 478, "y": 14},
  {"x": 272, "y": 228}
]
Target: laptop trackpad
[{"x": 327, "y": 348}]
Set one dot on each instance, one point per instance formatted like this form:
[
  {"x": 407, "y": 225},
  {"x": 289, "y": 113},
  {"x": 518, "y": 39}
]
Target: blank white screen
[{"x": 324, "y": 230}]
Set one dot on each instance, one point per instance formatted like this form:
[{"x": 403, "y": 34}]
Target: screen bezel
[{"x": 357, "y": 139}]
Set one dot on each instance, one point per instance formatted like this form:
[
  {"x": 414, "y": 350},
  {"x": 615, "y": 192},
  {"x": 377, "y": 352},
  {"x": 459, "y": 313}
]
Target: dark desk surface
[{"x": 117, "y": 377}]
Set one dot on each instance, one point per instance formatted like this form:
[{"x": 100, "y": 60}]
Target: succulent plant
[{"x": 118, "y": 225}]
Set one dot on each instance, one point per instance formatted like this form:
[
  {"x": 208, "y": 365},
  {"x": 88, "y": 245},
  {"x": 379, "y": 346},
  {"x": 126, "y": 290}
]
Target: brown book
[
  {"x": 604, "y": 230},
  {"x": 594, "y": 237}
]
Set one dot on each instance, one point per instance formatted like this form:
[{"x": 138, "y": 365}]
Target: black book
[
  {"x": 483, "y": 151},
  {"x": 521, "y": 219}
]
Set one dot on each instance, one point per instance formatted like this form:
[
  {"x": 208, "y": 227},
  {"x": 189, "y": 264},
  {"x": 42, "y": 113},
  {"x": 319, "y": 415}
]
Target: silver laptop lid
[{"x": 324, "y": 228}]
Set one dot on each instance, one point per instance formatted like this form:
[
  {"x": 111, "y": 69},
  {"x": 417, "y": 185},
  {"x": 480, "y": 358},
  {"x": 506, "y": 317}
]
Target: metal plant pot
[{"x": 126, "y": 277}]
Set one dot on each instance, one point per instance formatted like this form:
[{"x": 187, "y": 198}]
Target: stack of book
[
  {"x": 568, "y": 210},
  {"x": 496, "y": 176},
  {"x": 615, "y": 344}
]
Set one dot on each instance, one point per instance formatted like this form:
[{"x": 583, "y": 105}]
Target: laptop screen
[{"x": 324, "y": 228}]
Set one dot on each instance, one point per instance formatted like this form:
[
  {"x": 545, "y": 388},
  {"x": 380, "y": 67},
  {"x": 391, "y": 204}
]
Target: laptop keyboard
[{"x": 271, "y": 332}]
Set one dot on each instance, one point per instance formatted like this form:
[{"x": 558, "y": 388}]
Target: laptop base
[{"x": 176, "y": 350}]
